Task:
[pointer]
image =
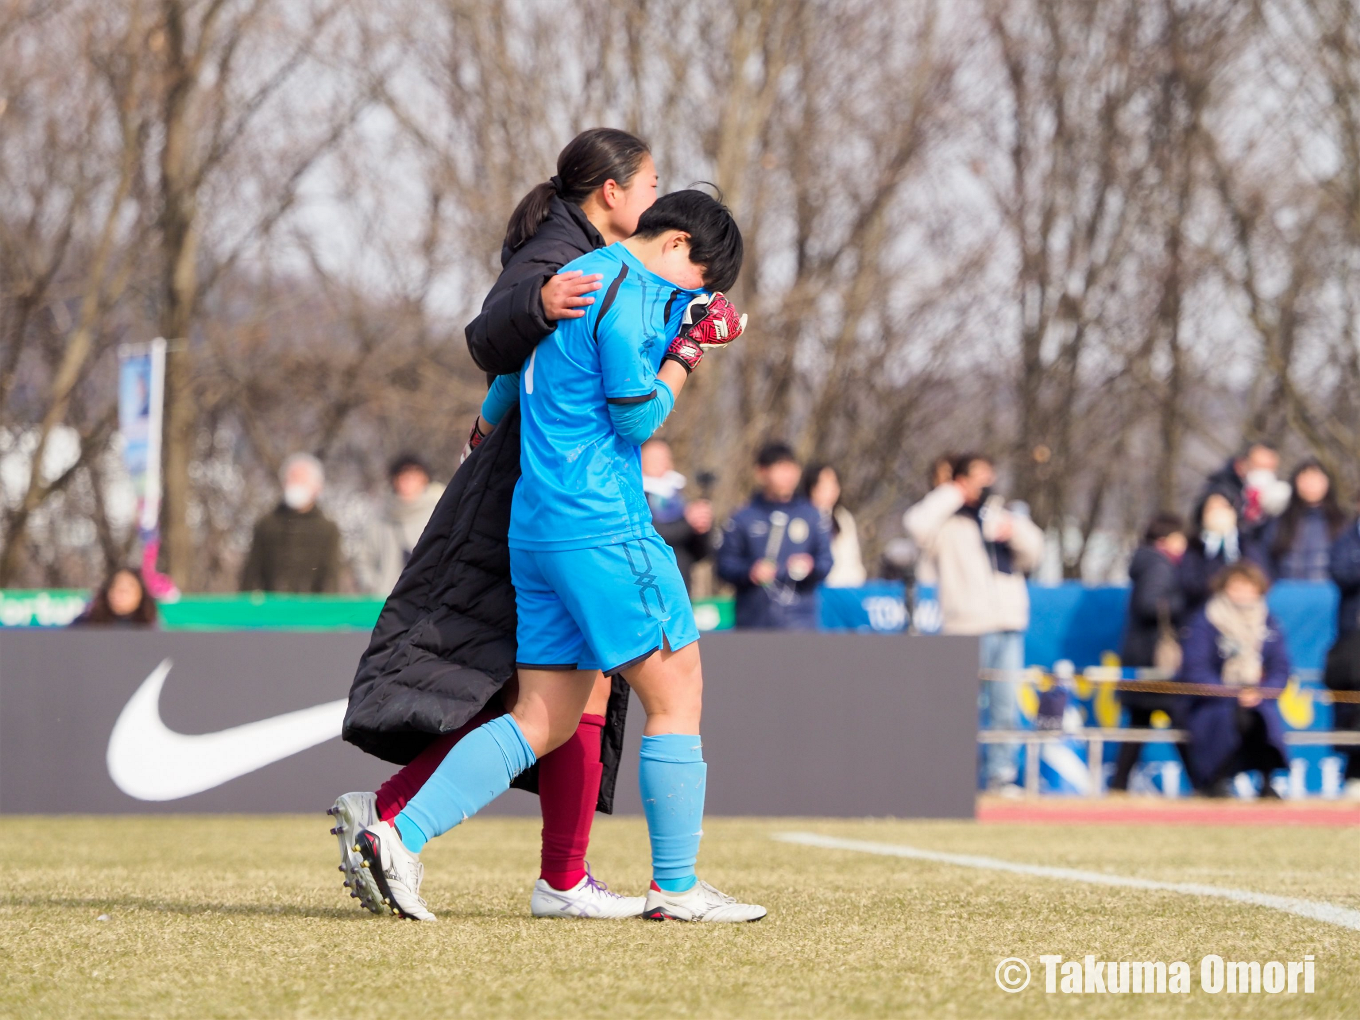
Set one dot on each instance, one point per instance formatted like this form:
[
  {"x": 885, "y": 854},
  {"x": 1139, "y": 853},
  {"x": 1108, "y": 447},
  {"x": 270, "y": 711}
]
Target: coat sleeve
[
  {"x": 700, "y": 545},
  {"x": 252, "y": 572},
  {"x": 1274, "y": 657},
  {"x": 369, "y": 556},
  {"x": 734, "y": 556},
  {"x": 512, "y": 322},
  {"x": 821, "y": 556},
  {"x": 1193, "y": 576},
  {"x": 1158, "y": 592},
  {"x": 1027, "y": 544},
  {"x": 675, "y": 533},
  {"x": 924, "y": 520},
  {"x": 1345, "y": 560},
  {"x": 1199, "y": 653},
  {"x": 328, "y": 577}
]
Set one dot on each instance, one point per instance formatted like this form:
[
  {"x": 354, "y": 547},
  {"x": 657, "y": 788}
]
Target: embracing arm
[{"x": 512, "y": 321}]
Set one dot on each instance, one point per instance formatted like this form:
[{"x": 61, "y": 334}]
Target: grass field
[{"x": 245, "y": 917}]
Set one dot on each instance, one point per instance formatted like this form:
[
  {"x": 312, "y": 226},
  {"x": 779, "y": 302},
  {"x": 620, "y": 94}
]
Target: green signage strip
[{"x": 254, "y": 611}]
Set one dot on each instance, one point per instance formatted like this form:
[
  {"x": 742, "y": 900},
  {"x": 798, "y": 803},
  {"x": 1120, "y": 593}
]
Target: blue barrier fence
[
  {"x": 1084, "y": 625},
  {"x": 1080, "y": 623}
]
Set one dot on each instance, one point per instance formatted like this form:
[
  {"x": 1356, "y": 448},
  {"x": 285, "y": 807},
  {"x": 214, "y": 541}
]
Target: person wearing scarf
[{"x": 1235, "y": 642}]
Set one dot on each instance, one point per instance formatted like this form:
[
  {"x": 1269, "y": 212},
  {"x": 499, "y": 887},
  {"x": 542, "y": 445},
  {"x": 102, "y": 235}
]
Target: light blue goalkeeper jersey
[{"x": 582, "y": 482}]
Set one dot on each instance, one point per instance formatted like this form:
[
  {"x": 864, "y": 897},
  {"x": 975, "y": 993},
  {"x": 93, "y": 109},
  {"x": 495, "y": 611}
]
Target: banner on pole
[{"x": 141, "y": 399}]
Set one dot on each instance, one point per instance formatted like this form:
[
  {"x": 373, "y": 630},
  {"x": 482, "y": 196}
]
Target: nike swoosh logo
[{"x": 150, "y": 761}]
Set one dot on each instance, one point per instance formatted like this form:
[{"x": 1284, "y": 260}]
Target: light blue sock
[
  {"x": 479, "y": 769},
  {"x": 671, "y": 776}
]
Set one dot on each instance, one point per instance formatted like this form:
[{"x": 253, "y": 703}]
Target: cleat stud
[
  {"x": 354, "y": 895},
  {"x": 386, "y": 901},
  {"x": 364, "y": 864},
  {"x": 340, "y": 868},
  {"x": 396, "y": 911},
  {"x": 355, "y": 848}
]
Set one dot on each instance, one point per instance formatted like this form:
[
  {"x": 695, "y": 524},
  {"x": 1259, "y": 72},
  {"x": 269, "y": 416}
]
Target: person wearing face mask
[
  {"x": 1249, "y": 483},
  {"x": 295, "y": 547},
  {"x": 1235, "y": 642},
  {"x": 684, "y": 525},
  {"x": 980, "y": 550},
  {"x": 1219, "y": 543}
]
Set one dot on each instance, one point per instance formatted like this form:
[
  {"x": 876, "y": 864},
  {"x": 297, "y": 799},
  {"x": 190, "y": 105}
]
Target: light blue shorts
[{"x": 605, "y": 608}]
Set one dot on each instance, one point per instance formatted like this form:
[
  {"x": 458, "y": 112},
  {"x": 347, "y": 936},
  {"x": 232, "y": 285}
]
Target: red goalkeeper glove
[
  {"x": 709, "y": 321},
  {"x": 475, "y": 438}
]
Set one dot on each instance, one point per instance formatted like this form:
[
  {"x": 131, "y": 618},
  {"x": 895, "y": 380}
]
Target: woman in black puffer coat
[{"x": 441, "y": 659}]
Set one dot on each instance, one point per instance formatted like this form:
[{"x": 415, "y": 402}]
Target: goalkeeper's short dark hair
[{"x": 714, "y": 238}]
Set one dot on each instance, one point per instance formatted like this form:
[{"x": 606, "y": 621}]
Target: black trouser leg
[
  {"x": 1254, "y": 753},
  {"x": 1129, "y": 752},
  {"x": 1346, "y": 716}
]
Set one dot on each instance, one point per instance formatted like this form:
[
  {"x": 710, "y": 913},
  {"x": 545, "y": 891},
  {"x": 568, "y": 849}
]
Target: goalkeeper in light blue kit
[{"x": 596, "y": 587}]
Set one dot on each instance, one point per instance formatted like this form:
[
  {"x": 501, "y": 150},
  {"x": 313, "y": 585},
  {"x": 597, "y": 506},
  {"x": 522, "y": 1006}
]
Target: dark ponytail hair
[{"x": 591, "y": 158}]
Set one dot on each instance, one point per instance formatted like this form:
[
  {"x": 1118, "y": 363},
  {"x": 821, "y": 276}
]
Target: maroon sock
[
  {"x": 568, "y": 788},
  {"x": 393, "y": 794}
]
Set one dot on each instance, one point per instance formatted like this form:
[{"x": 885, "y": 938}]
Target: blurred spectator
[
  {"x": 1249, "y": 483},
  {"x": 822, "y": 487},
  {"x": 122, "y": 601},
  {"x": 684, "y": 526},
  {"x": 776, "y": 549},
  {"x": 941, "y": 470},
  {"x": 1235, "y": 642},
  {"x": 980, "y": 552},
  {"x": 1298, "y": 543},
  {"x": 389, "y": 538},
  {"x": 1342, "y": 672},
  {"x": 296, "y": 548},
  {"x": 1218, "y": 544},
  {"x": 1156, "y": 613}
]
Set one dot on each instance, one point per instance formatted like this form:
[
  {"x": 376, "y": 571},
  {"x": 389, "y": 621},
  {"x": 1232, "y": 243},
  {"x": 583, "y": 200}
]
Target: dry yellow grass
[{"x": 245, "y": 917}]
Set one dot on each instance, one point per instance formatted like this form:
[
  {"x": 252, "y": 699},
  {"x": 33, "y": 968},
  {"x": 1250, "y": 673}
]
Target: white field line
[{"x": 1317, "y": 910}]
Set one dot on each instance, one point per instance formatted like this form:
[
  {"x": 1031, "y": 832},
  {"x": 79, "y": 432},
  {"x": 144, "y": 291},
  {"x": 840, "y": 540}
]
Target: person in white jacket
[{"x": 979, "y": 551}]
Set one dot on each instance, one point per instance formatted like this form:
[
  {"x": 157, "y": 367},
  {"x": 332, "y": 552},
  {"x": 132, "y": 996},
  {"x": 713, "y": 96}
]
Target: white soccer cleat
[
  {"x": 587, "y": 898},
  {"x": 395, "y": 869},
  {"x": 701, "y": 902},
  {"x": 353, "y": 812}
]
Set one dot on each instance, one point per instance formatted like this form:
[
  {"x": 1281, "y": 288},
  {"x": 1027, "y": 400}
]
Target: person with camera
[{"x": 980, "y": 550}]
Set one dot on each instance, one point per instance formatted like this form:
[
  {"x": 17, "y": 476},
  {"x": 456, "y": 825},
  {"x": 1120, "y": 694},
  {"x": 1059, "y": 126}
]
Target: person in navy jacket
[
  {"x": 1234, "y": 641},
  {"x": 1342, "y": 668},
  {"x": 776, "y": 550}
]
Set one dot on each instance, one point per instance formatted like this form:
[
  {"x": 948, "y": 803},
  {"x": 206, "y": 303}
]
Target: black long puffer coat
[{"x": 444, "y": 644}]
